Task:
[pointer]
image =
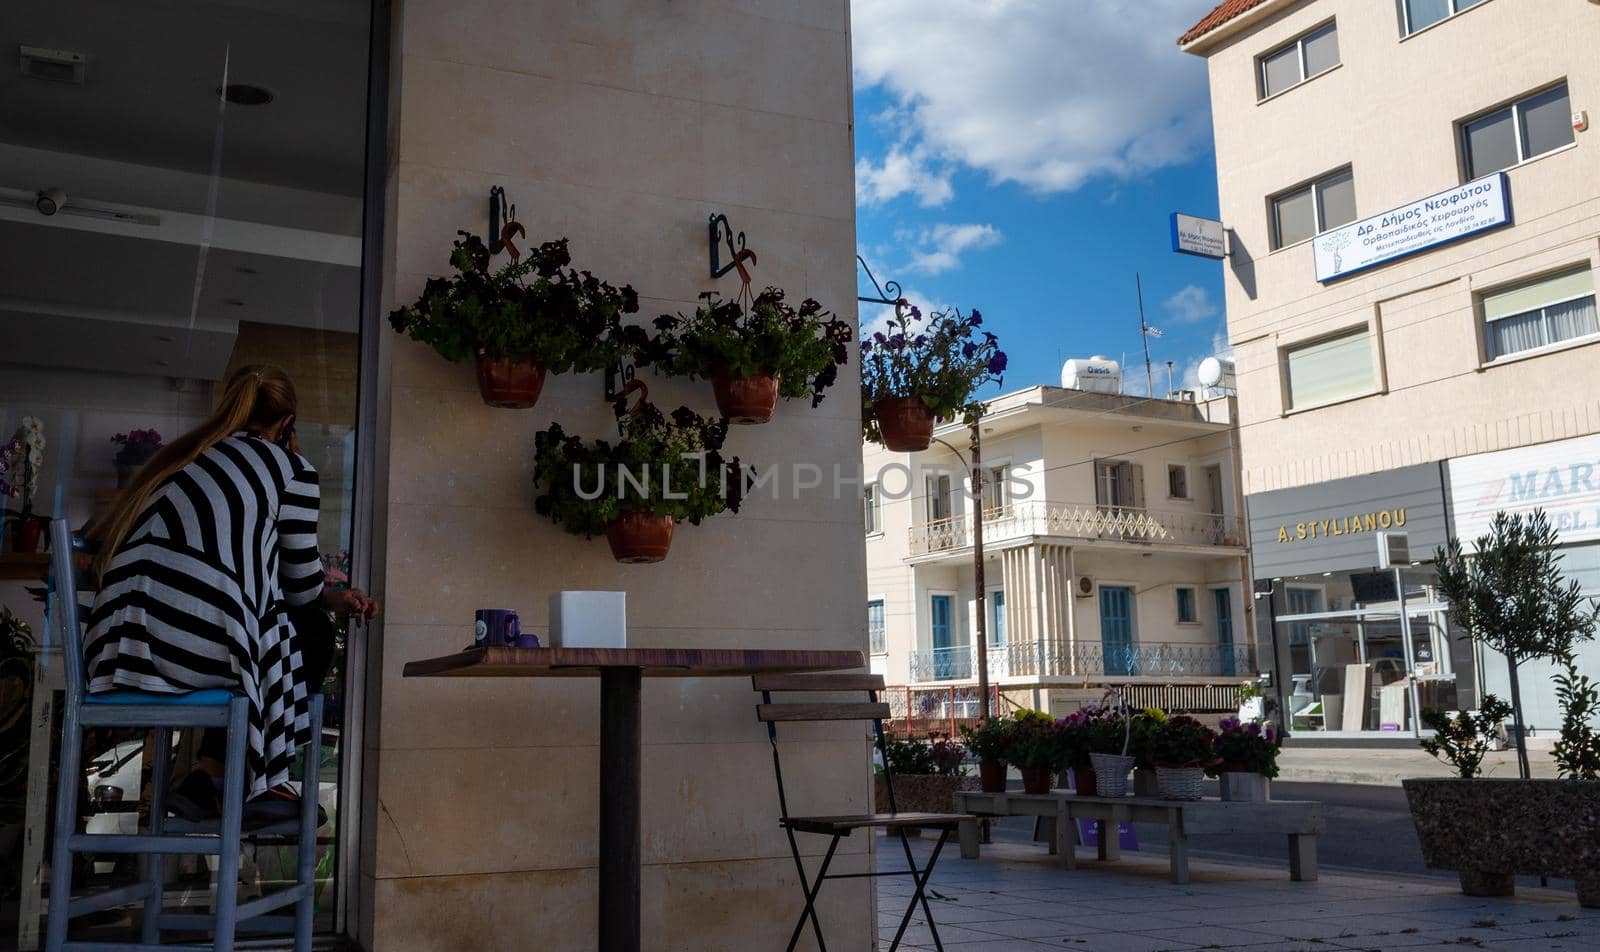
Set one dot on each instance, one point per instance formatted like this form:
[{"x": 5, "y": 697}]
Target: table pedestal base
[{"x": 619, "y": 809}]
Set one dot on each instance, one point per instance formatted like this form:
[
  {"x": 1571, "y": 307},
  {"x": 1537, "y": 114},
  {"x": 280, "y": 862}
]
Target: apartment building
[
  {"x": 1411, "y": 196},
  {"x": 1114, "y": 554}
]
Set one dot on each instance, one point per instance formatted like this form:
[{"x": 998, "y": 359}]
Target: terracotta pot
[
  {"x": 638, "y": 536},
  {"x": 509, "y": 384},
  {"x": 1036, "y": 779},
  {"x": 905, "y": 422},
  {"x": 1083, "y": 781},
  {"x": 746, "y": 399},
  {"x": 992, "y": 776},
  {"x": 29, "y": 529}
]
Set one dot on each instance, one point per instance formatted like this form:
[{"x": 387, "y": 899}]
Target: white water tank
[
  {"x": 1099, "y": 374},
  {"x": 1217, "y": 372}
]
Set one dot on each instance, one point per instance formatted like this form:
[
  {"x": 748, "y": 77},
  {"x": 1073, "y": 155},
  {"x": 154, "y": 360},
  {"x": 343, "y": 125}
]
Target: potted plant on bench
[
  {"x": 1109, "y": 737},
  {"x": 1074, "y": 733},
  {"x": 754, "y": 356},
  {"x": 1182, "y": 749},
  {"x": 926, "y": 776},
  {"x": 663, "y": 471},
  {"x": 988, "y": 742},
  {"x": 1142, "y": 730},
  {"x": 1512, "y": 596},
  {"x": 1035, "y": 748},
  {"x": 1247, "y": 758},
  {"x": 922, "y": 370},
  {"x": 532, "y": 316}
]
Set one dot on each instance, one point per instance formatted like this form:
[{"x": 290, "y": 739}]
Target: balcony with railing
[
  {"x": 1034, "y": 659},
  {"x": 1108, "y": 523}
]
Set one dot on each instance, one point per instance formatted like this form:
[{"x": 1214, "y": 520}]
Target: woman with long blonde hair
[{"x": 201, "y": 562}]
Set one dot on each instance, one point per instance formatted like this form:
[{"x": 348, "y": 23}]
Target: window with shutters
[
  {"x": 1330, "y": 369},
  {"x": 1118, "y": 485},
  {"x": 1554, "y": 310}
]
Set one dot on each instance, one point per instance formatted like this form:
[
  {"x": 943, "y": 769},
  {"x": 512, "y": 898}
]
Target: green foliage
[
  {"x": 16, "y": 635},
  {"x": 1512, "y": 596},
  {"x": 941, "y": 758},
  {"x": 1577, "y": 751},
  {"x": 990, "y": 740},
  {"x": 1463, "y": 740},
  {"x": 1248, "y": 691},
  {"x": 943, "y": 361},
  {"x": 669, "y": 467},
  {"x": 1183, "y": 741},
  {"x": 1034, "y": 743},
  {"x": 1109, "y": 733},
  {"x": 805, "y": 347},
  {"x": 1252, "y": 747},
  {"x": 534, "y": 309},
  {"x": 1143, "y": 730}
]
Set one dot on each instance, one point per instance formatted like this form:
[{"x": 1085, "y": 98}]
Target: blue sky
[{"x": 1023, "y": 156}]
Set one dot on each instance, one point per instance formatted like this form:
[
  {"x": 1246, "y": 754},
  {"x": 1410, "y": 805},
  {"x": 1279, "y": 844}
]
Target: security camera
[{"x": 50, "y": 201}]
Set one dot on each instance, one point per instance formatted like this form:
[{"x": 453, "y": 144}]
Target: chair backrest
[
  {"x": 773, "y": 714},
  {"x": 63, "y": 588}
]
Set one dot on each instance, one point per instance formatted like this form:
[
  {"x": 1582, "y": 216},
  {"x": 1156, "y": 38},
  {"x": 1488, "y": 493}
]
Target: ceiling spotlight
[
  {"x": 162, "y": 339},
  {"x": 244, "y": 94},
  {"x": 50, "y": 201},
  {"x": 233, "y": 302},
  {"x": 244, "y": 269}
]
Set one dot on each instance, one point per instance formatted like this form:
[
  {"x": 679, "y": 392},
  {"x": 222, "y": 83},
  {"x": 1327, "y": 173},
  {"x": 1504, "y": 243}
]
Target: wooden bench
[{"x": 1299, "y": 820}]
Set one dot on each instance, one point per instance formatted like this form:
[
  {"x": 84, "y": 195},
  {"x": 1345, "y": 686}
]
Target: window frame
[
  {"x": 1194, "y": 604},
  {"x": 1478, "y": 306},
  {"x": 1514, "y": 105},
  {"x": 872, "y": 509},
  {"x": 1313, "y": 185},
  {"x": 1406, "y": 30},
  {"x": 880, "y": 644},
  {"x": 1368, "y": 328},
  {"x": 1299, "y": 43},
  {"x": 996, "y": 489},
  {"x": 1182, "y": 471}
]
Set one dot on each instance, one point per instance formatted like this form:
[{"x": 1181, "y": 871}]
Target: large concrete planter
[
  {"x": 917, "y": 793},
  {"x": 1488, "y": 831}
]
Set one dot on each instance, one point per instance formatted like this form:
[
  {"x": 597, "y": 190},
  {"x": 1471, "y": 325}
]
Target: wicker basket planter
[
  {"x": 1111, "y": 774},
  {"x": 1181, "y": 783}
]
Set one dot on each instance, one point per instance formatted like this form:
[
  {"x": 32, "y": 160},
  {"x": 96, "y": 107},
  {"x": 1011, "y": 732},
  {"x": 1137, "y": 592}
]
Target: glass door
[{"x": 1228, "y": 663}]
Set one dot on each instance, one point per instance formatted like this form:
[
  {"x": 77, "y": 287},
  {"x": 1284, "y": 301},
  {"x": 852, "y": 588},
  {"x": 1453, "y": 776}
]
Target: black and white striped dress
[{"x": 196, "y": 596}]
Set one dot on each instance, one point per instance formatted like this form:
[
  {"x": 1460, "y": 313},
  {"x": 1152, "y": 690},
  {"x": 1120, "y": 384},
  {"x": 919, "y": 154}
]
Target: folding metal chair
[
  {"x": 838, "y": 827},
  {"x": 163, "y": 713}
]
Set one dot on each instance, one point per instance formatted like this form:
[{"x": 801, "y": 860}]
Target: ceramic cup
[{"x": 496, "y": 628}]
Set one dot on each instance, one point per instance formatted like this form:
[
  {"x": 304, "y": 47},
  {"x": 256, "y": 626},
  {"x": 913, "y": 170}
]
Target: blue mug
[{"x": 496, "y": 628}]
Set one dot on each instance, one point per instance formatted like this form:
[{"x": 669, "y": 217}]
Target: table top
[{"x": 651, "y": 662}]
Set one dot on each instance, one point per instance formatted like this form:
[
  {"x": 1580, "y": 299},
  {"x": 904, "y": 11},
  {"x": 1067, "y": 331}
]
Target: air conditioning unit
[{"x": 1083, "y": 586}]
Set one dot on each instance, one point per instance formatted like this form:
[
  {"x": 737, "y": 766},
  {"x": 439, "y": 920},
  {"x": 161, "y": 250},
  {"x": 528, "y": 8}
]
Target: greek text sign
[
  {"x": 1476, "y": 206},
  {"x": 1192, "y": 235}
]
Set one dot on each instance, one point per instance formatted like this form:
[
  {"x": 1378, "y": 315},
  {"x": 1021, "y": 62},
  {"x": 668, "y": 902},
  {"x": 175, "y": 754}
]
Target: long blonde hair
[{"x": 254, "y": 399}]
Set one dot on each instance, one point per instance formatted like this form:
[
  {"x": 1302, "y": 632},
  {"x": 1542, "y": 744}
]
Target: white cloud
[
  {"x": 1191, "y": 304},
  {"x": 877, "y": 318},
  {"x": 1044, "y": 93},
  {"x": 902, "y": 171},
  {"x": 939, "y": 248}
]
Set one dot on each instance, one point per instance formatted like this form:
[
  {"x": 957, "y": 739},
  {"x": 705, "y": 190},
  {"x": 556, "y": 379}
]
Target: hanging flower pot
[
  {"x": 992, "y": 776},
  {"x": 746, "y": 399},
  {"x": 905, "y": 422},
  {"x": 638, "y": 536},
  {"x": 509, "y": 384}
]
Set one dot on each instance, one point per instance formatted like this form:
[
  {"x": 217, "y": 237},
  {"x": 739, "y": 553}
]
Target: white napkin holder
[{"x": 589, "y": 620}]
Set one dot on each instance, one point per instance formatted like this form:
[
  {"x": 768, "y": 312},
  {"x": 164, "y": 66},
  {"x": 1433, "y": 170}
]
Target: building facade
[
  {"x": 1411, "y": 193},
  {"x": 264, "y": 182},
  {"x": 1114, "y": 555}
]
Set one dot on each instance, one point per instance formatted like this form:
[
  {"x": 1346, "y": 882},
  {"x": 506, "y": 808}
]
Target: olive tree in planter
[
  {"x": 633, "y": 491},
  {"x": 754, "y": 355},
  {"x": 923, "y": 369},
  {"x": 1512, "y": 596},
  {"x": 531, "y": 316}
]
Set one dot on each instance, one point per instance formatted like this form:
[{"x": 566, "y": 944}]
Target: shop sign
[
  {"x": 1334, "y": 526},
  {"x": 1426, "y": 223},
  {"x": 1193, "y": 235},
  {"x": 1562, "y": 478}
]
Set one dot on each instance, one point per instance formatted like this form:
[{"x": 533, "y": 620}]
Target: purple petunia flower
[
  {"x": 878, "y": 337},
  {"x": 916, "y": 313},
  {"x": 997, "y": 363},
  {"x": 976, "y": 319},
  {"x": 968, "y": 349}
]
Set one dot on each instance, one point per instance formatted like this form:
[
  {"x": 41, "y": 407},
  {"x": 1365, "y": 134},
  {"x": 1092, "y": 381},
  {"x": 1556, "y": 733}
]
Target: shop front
[
  {"x": 1358, "y": 637},
  {"x": 1563, "y": 479}
]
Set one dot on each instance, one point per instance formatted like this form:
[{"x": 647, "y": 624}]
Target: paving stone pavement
[{"x": 1017, "y": 899}]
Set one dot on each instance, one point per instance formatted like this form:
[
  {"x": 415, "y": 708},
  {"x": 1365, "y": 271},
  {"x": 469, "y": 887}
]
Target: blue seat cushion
[{"x": 214, "y": 698}]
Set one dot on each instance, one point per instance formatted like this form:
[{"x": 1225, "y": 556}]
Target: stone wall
[{"x": 620, "y": 124}]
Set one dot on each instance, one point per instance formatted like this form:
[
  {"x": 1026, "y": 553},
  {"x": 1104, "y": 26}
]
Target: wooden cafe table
[{"x": 621, "y": 671}]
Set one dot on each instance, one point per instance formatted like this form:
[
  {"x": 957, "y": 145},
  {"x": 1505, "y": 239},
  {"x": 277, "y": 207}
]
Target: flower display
[
  {"x": 1247, "y": 746},
  {"x": 20, "y": 462},
  {"x": 1183, "y": 742},
  {"x": 136, "y": 447},
  {"x": 941, "y": 358}
]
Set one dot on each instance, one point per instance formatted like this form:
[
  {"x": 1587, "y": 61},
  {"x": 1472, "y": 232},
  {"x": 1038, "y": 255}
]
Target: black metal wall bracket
[
  {"x": 721, "y": 233},
  {"x": 618, "y": 376},
  {"x": 500, "y": 214},
  {"x": 889, "y": 292}
]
